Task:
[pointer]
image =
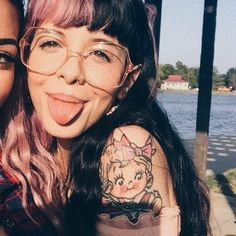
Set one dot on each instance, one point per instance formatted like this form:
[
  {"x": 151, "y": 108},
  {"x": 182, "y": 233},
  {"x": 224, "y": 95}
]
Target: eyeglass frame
[{"x": 129, "y": 67}]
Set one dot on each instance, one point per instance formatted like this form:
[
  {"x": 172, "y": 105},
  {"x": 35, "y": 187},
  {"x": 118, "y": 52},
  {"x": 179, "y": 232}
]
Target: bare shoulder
[
  {"x": 134, "y": 170},
  {"x": 2, "y": 231}
]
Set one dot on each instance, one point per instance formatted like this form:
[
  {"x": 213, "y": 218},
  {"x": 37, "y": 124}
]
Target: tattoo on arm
[{"x": 126, "y": 176}]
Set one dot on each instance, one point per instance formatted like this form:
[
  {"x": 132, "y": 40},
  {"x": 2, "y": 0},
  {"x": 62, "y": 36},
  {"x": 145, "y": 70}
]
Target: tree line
[{"x": 190, "y": 74}]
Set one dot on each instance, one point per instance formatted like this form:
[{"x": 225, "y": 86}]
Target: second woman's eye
[{"x": 6, "y": 59}]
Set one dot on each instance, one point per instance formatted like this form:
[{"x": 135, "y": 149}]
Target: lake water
[{"x": 182, "y": 109}]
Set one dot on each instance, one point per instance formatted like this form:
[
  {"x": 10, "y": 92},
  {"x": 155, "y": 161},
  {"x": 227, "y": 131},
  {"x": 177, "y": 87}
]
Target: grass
[{"x": 223, "y": 183}]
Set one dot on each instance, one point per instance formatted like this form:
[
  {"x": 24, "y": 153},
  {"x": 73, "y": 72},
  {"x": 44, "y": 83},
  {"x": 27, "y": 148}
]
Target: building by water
[{"x": 175, "y": 82}]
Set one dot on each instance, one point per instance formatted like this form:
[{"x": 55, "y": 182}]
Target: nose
[
  {"x": 71, "y": 71},
  {"x": 130, "y": 184}
]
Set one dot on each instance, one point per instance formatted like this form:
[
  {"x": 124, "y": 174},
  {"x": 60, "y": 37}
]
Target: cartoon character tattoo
[{"x": 126, "y": 176}]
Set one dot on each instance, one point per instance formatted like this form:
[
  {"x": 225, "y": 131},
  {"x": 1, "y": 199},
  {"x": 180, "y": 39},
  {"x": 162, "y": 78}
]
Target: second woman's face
[
  {"x": 65, "y": 102},
  {"x": 9, "y": 30}
]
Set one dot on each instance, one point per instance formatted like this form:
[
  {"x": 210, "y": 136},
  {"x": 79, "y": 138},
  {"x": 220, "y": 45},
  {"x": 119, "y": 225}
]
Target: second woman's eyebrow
[{"x": 8, "y": 41}]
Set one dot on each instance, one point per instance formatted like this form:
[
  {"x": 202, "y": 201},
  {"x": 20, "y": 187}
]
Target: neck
[{"x": 63, "y": 150}]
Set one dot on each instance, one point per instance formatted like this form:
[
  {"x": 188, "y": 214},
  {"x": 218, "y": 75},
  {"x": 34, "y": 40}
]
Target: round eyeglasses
[{"x": 103, "y": 64}]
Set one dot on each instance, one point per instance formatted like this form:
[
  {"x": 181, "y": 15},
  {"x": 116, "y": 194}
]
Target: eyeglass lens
[{"x": 48, "y": 52}]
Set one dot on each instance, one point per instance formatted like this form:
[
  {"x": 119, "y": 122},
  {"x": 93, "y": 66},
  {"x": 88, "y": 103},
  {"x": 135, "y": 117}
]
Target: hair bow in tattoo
[{"x": 129, "y": 150}]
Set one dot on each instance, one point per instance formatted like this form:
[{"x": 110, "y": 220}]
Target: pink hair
[
  {"x": 27, "y": 150},
  {"x": 64, "y": 14}
]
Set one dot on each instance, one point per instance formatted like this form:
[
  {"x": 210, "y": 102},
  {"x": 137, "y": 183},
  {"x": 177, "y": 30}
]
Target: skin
[
  {"x": 129, "y": 183},
  {"x": 68, "y": 83},
  {"x": 8, "y": 30}
]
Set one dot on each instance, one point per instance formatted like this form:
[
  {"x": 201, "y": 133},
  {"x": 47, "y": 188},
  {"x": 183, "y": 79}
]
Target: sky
[{"x": 181, "y": 32}]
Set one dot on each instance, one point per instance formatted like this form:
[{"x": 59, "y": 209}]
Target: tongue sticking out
[{"x": 63, "y": 112}]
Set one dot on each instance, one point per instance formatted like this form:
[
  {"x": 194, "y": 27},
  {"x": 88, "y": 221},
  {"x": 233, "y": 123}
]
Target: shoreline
[{"x": 194, "y": 92}]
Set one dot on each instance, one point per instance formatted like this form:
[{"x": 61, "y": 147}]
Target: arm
[
  {"x": 2, "y": 231},
  {"x": 134, "y": 174}
]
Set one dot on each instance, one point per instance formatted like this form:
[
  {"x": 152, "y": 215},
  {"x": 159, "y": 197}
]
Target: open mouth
[{"x": 63, "y": 108}]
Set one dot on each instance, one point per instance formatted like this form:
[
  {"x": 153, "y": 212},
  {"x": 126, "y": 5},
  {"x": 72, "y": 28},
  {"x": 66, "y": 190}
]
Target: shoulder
[
  {"x": 133, "y": 140},
  {"x": 133, "y": 168},
  {"x": 9, "y": 185}
]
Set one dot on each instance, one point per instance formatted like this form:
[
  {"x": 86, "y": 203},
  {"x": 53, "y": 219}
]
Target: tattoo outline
[{"x": 126, "y": 176}]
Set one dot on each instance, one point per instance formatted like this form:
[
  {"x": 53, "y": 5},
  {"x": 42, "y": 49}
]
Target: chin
[{"x": 66, "y": 134}]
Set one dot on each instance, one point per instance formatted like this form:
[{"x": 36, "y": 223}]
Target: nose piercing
[{"x": 80, "y": 80}]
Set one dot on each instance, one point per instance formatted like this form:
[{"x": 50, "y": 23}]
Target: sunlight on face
[
  {"x": 8, "y": 50},
  {"x": 65, "y": 102}
]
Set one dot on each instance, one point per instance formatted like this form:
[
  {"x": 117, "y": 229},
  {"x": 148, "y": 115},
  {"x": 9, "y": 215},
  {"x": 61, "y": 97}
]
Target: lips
[{"x": 64, "y": 108}]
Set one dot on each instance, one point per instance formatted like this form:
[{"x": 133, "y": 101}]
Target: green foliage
[
  {"x": 223, "y": 183},
  {"x": 191, "y": 74},
  {"x": 218, "y": 79},
  {"x": 230, "y": 77},
  {"x": 165, "y": 70}
]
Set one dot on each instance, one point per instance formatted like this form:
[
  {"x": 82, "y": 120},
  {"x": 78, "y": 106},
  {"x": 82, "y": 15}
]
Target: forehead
[
  {"x": 8, "y": 20},
  {"x": 79, "y": 34}
]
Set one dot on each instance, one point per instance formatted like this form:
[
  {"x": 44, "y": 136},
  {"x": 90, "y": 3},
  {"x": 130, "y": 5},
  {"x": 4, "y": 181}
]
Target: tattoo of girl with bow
[{"x": 126, "y": 176}]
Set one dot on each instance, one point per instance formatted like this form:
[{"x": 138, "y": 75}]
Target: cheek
[
  {"x": 137, "y": 185},
  {"x": 123, "y": 189},
  {"x": 35, "y": 84},
  {"x": 35, "y": 80},
  {"x": 6, "y": 81}
]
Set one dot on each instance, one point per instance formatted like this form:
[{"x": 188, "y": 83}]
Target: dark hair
[
  {"x": 19, "y": 5},
  {"x": 127, "y": 21}
]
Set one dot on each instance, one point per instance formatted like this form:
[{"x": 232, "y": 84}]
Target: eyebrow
[
  {"x": 46, "y": 30},
  {"x": 8, "y": 41},
  {"x": 98, "y": 40}
]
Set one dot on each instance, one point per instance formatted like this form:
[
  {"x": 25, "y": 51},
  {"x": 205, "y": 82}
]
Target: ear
[
  {"x": 129, "y": 82},
  {"x": 149, "y": 180},
  {"x": 107, "y": 188}
]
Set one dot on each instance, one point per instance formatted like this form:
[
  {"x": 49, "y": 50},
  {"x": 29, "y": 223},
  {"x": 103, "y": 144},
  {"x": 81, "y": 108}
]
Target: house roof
[{"x": 175, "y": 78}]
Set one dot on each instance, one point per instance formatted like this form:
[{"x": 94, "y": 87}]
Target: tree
[
  {"x": 182, "y": 70},
  {"x": 165, "y": 70},
  {"x": 233, "y": 82},
  {"x": 230, "y": 77},
  {"x": 193, "y": 73},
  {"x": 217, "y": 79}
]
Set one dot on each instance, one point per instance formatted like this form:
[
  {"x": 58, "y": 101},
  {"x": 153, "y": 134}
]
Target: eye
[
  {"x": 100, "y": 55},
  {"x": 139, "y": 175},
  {"x": 6, "y": 59},
  {"x": 119, "y": 180},
  {"x": 49, "y": 45}
]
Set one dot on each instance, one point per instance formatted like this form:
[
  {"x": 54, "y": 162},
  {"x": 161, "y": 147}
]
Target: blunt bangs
[
  {"x": 124, "y": 20},
  {"x": 64, "y": 14}
]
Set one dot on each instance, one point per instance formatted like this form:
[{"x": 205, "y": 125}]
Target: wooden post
[{"x": 205, "y": 87}]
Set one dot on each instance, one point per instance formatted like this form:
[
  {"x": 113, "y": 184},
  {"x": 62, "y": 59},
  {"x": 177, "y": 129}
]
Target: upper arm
[
  {"x": 134, "y": 170},
  {"x": 2, "y": 231}
]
